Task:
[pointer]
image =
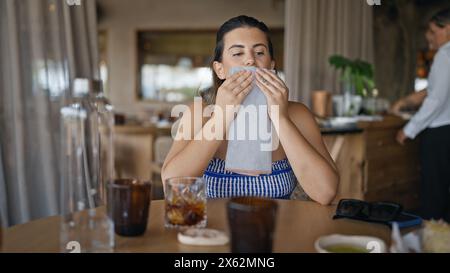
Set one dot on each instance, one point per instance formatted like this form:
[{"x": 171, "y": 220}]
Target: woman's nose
[{"x": 250, "y": 61}]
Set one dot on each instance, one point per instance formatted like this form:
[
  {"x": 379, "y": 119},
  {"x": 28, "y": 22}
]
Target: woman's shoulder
[
  {"x": 195, "y": 107},
  {"x": 444, "y": 51},
  {"x": 442, "y": 58},
  {"x": 197, "y": 102},
  {"x": 299, "y": 110},
  {"x": 196, "y": 110},
  {"x": 301, "y": 116}
]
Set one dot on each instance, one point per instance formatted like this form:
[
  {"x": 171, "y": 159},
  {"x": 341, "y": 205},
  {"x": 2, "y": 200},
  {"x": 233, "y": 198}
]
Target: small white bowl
[{"x": 364, "y": 243}]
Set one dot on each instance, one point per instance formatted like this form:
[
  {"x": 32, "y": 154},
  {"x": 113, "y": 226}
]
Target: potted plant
[{"x": 357, "y": 77}]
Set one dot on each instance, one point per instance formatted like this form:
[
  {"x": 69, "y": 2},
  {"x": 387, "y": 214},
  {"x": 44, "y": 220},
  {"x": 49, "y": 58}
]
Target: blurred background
[{"x": 152, "y": 55}]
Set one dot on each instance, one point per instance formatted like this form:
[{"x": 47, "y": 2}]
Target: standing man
[{"x": 433, "y": 120}]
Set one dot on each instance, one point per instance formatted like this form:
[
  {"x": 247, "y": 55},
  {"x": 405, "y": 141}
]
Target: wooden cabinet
[{"x": 374, "y": 167}]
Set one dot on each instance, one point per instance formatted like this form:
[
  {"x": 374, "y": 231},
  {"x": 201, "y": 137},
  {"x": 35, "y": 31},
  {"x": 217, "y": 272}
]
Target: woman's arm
[
  {"x": 312, "y": 164},
  {"x": 413, "y": 100},
  {"x": 187, "y": 156},
  {"x": 436, "y": 100},
  {"x": 191, "y": 156},
  {"x": 301, "y": 140}
]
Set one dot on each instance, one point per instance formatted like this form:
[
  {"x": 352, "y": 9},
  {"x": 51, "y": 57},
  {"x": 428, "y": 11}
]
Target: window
[
  {"x": 103, "y": 53},
  {"x": 173, "y": 66}
]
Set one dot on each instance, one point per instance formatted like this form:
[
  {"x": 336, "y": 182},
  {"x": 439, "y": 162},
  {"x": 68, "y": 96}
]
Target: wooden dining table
[{"x": 299, "y": 224}]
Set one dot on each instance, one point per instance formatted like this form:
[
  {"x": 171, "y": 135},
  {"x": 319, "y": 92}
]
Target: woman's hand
[
  {"x": 276, "y": 92},
  {"x": 232, "y": 92},
  {"x": 401, "y": 137},
  {"x": 397, "y": 106}
]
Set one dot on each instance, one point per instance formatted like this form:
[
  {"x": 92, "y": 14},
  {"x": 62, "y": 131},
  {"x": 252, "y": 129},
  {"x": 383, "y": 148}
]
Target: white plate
[
  {"x": 202, "y": 236},
  {"x": 342, "y": 121}
]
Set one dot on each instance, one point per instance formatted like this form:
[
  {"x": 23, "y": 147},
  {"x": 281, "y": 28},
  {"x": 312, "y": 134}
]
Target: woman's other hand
[
  {"x": 397, "y": 106},
  {"x": 275, "y": 90},
  {"x": 234, "y": 90},
  {"x": 401, "y": 137}
]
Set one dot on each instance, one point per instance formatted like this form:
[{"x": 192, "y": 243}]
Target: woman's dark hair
[
  {"x": 209, "y": 96},
  {"x": 442, "y": 18}
]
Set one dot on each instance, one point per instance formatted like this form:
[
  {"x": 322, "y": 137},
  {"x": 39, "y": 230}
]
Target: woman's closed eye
[{"x": 237, "y": 54}]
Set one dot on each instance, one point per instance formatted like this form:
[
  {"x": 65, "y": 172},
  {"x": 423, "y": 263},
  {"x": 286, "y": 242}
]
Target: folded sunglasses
[{"x": 377, "y": 212}]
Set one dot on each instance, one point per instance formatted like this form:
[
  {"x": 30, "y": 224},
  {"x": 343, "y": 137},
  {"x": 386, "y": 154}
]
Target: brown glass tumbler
[
  {"x": 252, "y": 223},
  {"x": 128, "y": 205},
  {"x": 322, "y": 103}
]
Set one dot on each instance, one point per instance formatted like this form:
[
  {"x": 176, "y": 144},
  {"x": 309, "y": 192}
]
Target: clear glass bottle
[
  {"x": 105, "y": 112},
  {"x": 84, "y": 225},
  {"x": 348, "y": 93}
]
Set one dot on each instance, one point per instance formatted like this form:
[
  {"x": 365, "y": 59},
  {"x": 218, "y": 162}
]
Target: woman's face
[
  {"x": 437, "y": 36},
  {"x": 244, "y": 46}
]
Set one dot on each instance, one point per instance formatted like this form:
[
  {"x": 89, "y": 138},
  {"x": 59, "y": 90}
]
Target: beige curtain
[
  {"x": 316, "y": 29},
  {"x": 44, "y": 45},
  {"x": 81, "y": 34}
]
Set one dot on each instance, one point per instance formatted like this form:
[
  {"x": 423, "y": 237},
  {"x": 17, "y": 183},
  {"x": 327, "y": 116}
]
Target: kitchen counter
[
  {"x": 372, "y": 165},
  {"x": 351, "y": 129}
]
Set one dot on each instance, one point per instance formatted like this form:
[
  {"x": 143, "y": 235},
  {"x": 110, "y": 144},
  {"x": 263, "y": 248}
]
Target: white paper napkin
[{"x": 250, "y": 136}]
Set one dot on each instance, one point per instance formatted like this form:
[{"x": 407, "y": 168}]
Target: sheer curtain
[
  {"x": 316, "y": 29},
  {"x": 44, "y": 45}
]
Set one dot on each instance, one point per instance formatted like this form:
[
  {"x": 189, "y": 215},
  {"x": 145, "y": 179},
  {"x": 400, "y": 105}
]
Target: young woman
[{"x": 302, "y": 157}]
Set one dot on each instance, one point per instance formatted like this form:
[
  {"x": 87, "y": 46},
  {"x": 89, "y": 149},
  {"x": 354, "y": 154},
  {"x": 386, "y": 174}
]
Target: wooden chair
[{"x": 161, "y": 148}]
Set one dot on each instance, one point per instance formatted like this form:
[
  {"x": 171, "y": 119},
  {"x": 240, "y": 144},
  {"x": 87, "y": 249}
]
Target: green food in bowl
[{"x": 342, "y": 248}]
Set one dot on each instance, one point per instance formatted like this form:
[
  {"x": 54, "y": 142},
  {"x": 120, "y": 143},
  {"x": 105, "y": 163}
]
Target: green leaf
[
  {"x": 354, "y": 72},
  {"x": 339, "y": 62}
]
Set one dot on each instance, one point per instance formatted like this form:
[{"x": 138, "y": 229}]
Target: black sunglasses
[{"x": 379, "y": 212}]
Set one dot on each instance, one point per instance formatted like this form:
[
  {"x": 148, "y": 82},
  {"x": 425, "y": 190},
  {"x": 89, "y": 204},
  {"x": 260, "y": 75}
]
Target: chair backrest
[
  {"x": 133, "y": 150},
  {"x": 161, "y": 147}
]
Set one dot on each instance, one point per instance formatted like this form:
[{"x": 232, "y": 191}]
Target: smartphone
[{"x": 405, "y": 220}]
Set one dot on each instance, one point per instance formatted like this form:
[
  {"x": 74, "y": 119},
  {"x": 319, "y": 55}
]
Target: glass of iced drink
[{"x": 185, "y": 202}]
